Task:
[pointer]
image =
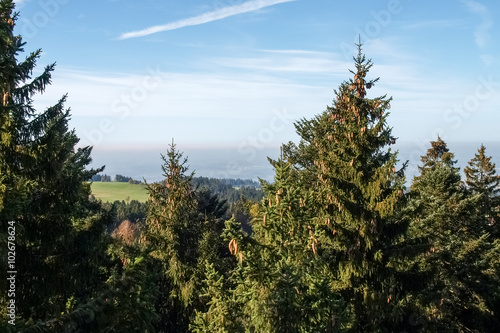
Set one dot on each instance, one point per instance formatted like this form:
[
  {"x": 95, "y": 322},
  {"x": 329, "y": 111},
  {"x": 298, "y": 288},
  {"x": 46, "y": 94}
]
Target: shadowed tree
[
  {"x": 61, "y": 241},
  {"x": 183, "y": 236},
  {"x": 457, "y": 284}
]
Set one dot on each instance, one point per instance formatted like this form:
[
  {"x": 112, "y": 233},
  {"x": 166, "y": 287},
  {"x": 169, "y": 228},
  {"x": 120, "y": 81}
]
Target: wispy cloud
[
  {"x": 482, "y": 33},
  {"x": 287, "y": 61},
  {"x": 432, "y": 24},
  {"x": 215, "y": 15}
]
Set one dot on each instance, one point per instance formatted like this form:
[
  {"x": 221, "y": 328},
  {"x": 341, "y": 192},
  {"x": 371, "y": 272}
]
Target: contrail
[{"x": 215, "y": 15}]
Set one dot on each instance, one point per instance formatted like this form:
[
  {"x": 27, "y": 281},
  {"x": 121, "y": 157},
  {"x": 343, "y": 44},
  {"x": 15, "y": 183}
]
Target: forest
[{"x": 339, "y": 241}]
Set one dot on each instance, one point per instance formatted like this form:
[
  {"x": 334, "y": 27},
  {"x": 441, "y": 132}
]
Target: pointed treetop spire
[
  {"x": 439, "y": 151},
  {"x": 363, "y": 66},
  {"x": 438, "y": 154},
  {"x": 481, "y": 174}
]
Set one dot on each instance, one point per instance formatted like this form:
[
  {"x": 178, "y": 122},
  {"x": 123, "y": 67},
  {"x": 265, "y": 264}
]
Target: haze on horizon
[{"x": 235, "y": 75}]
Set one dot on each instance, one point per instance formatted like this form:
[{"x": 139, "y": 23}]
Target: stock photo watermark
[
  {"x": 11, "y": 272},
  {"x": 48, "y": 9},
  {"x": 471, "y": 103},
  {"x": 248, "y": 149},
  {"x": 124, "y": 105},
  {"x": 381, "y": 19},
  {"x": 456, "y": 115}
]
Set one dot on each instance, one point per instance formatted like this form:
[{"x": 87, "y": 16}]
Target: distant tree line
[
  {"x": 227, "y": 187},
  {"x": 118, "y": 178},
  {"x": 231, "y": 190},
  {"x": 337, "y": 243},
  {"x": 234, "y": 201},
  {"x": 101, "y": 178}
]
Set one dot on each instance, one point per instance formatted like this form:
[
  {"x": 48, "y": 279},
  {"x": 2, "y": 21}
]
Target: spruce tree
[
  {"x": 14, "y": 187},
  {"x": 183, "y": 236},
  {"x": 43, "y": 190},
  {"x": 456, "y": 288},
  {"x": 276, "y": 286},
  {"x": 481, "y": 179},
  {"x": 213, "y": 211},
  {"x": 172, "y": 241},
  {"x": 61, "y": 235},
  {"x": 344, "y": 156},
  {"x": 221, "y": 316},
  {"x": 324, "y": 252}
]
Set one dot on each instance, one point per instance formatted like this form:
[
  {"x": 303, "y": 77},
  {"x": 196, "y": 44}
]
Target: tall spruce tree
[
  {"x": 172, "y": 236},
  {"x": 43, "y": 187},
  {"x": 344, "y": 156},
  {"x": 323, "y": 256},
  {"x": 61, "y": 240}
]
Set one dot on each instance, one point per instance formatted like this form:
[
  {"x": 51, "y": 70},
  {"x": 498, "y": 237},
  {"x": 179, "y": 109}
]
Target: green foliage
[
  {"x": 220, "y": 316},
  {"x": 333, "y": 246},
  {"x": 183, "y": 229},
  {"x": 125, "y": 304},
  {"x": 456, "y": 285},
  {"x": 343, "y": 157},
  {"x": 326, "y": 240},
  {"x": 61, "y": 240},
  {"x": 481, "y": 179},
  {"x": 134, "y": 211}
]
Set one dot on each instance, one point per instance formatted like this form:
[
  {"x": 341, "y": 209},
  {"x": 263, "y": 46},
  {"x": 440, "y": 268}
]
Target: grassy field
[{"x": 112, "y": 191}]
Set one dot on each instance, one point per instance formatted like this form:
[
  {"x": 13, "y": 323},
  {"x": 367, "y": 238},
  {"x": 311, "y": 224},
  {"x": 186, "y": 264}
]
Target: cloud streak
[
  {"x": 482, "y": 33},
  {"x": 215, "y": 15}
]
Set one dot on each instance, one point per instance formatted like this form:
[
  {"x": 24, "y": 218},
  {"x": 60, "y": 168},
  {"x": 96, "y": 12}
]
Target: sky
[{"x": 234, "y": 75}]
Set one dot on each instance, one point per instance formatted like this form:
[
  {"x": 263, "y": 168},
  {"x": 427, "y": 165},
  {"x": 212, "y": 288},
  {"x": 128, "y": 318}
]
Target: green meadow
[{"x": 112, "y": 191}]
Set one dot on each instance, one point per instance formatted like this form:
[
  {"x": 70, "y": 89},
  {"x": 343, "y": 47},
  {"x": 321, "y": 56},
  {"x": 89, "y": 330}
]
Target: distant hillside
[
  {"x": 112, "y": 191},
  {"x": 231, "y": 190}
]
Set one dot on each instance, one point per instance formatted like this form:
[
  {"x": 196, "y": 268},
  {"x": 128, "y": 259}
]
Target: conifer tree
[
  {"x": 344, "y": 156},
  {"x": 221, "y": 316},
  {"x": 61, "y": 235},
  {"x": 325, "y": 245},
  {"x": 456, "y": 270},
  {"x": 276, "y": 286},
  {"x": 213, "y": 249},
  {"x": 43, "y": 188},
  {"x": 182, "y": 240},
  {"x": 170, "y": 234},
  {"x": 13, "y": 186},
  {"x": 481, "y": 179}
]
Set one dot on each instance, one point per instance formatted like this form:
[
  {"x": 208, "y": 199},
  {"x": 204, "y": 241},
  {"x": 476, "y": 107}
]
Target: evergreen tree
[
  {"x": 213, "y": 213},
  {"x": 13, "y": 186},
  {"x": 279, "y": 285},
  {"x": 221, "y": 315},
  {"x": 324, "y": 252},
  {"x": 481, "y": 179},
  {"x": 61, "y": 237},
  {"x": 457, "y": 268},
  {"x": 171, "y": 234},
  {"x": 182, "y": 240},
  {"x": 343, "y": 156},
  {"x": 43, "y": 190}
]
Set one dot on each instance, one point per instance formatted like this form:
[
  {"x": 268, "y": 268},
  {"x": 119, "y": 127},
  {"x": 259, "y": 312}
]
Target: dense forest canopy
[{"x": 335, "y": 243}]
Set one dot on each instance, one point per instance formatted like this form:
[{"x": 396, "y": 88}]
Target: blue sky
[{"x": 235, "y": 74}]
